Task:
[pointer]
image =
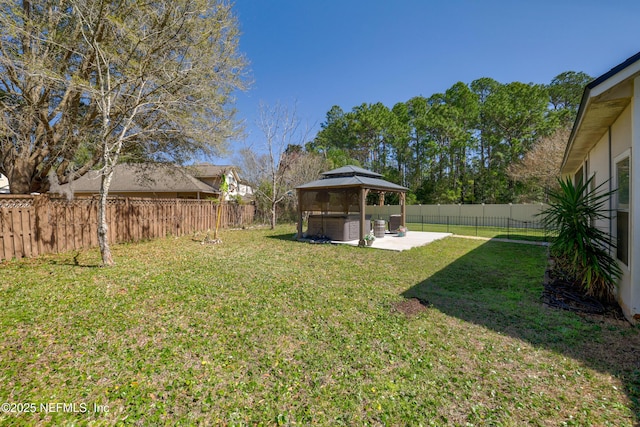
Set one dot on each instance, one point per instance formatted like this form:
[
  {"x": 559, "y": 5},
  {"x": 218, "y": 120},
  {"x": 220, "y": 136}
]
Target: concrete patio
[{"x": 392, "y": 242}]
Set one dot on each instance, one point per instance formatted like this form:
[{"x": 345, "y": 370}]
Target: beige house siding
[
  {"x": 597, "y": 162},
  {"x": 621, "y": 133},
  {"x": 620, "y": 145},
  {"x": 598, "y": 165},
  {"x": 235, "y": 187},
  {"x": 612, "y": 105},
  {"x": 634, "y": 231}
]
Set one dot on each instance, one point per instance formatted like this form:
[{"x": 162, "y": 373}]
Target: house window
[{"x": 622, "y": 210}]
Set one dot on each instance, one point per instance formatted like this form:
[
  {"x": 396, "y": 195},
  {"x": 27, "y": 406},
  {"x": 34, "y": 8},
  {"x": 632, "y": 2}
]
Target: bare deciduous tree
[
  {"x": 302, "y": 167},
  {"x": 270, "y": 171},
  {"x": 541, "y": 164}
]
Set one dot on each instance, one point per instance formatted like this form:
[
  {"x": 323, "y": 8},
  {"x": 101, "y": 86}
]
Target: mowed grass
[{"x": 263, "y": 330}]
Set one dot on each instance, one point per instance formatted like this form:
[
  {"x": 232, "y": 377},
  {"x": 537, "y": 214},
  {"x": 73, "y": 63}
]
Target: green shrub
[{"x": 581, "y": 249}]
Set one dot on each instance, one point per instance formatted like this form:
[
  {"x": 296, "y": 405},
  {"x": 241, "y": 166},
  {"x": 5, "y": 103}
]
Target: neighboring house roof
[
  {"x": 603, "y": 101},
  {"x": 143, "y": 178},
  {"x": 352, "y": 176},
  {"x": 202, "y": 170}
]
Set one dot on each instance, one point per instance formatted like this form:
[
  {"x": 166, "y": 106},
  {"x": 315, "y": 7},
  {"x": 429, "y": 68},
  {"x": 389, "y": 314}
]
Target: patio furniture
[{"x": 395, "y": 221}]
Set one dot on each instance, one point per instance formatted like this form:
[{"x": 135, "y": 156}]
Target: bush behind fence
[{"x": 35, "y": 225}]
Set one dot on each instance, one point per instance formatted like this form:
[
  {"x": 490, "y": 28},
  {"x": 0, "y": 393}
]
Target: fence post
[
  {"x": 476, "y": 226},
  {"x": 508, "y": 224},
  {"x": 422, "y": 221},
  {"x": 129, "y": 224},
  {"x": 177, "y": 226},
  {"x": 447, "y": 223}
]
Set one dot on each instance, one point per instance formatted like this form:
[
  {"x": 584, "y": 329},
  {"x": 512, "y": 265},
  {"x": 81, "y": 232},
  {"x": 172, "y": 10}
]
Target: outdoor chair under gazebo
[{"x": 336, "y": 203}]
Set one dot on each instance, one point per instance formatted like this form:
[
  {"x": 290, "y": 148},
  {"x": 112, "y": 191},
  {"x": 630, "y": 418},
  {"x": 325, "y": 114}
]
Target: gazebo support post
[
  {"x": 299, "y": 214},
  {"x": 363, "y": 215},
  {"x": 403, "y": 210}
]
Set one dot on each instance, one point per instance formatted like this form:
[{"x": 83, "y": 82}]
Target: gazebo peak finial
[{"x": 350, "y": 170}]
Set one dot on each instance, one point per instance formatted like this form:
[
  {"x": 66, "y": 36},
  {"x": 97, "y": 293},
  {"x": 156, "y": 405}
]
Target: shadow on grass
[
  {"x": 288, "y": 237},
  {"x": 499, "y": 285},
  {"x": 526, "y": 237},
  {"x": 74, "y": 261},
  {"x": 74, "y": 264}
]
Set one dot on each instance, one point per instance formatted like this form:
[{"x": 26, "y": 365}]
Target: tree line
[{"x": 482, "y": 142}]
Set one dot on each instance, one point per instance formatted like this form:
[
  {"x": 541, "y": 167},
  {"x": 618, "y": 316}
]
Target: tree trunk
[
  {"x": 273, "y": 215},
  {"x": 274, "y": 188},
  {"x": 20, "y": 176},
  {"x": 103, "y": 228}
]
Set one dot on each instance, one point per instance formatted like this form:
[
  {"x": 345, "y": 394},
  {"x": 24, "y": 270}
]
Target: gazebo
[{"x": 338, "y": 201}]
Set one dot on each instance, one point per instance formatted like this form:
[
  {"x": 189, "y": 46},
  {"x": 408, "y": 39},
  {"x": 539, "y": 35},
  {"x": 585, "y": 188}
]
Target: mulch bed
[{"x": 561, "y": 293}]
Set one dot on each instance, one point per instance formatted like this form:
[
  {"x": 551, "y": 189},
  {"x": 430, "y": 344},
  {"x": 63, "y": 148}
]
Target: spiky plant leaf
[{"x": 581, "y": 247}]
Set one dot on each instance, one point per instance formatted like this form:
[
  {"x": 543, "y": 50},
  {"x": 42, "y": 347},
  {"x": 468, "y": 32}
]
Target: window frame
[{"x": 625, "y": 208}]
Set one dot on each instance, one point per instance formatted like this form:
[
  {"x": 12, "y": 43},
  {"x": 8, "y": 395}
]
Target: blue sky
[{"x": 320, "y": 53}]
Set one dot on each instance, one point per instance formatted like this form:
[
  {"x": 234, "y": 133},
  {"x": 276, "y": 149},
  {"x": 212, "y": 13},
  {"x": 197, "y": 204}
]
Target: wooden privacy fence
[{"x": 36, "y": 225}]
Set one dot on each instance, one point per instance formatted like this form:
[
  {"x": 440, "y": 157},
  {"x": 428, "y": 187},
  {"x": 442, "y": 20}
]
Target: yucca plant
[{"x": 581, "y": 249}]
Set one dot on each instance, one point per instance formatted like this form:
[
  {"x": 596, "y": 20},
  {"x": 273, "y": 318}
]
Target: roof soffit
[{"x": 601, "y": 111}]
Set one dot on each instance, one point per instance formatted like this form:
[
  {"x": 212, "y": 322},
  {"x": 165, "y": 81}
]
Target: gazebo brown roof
[{"x": 345, "y": 190}]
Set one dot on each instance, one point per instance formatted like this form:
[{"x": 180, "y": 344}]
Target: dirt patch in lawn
[{"x": 410, "y": 307}]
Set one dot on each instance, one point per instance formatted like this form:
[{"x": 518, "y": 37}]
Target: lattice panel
[
  {"x": 16, "y": 203},
  {"x": 83, "y": 202},
  {"x": 115, "y": 202},
  {"x": 152, "y": 202}
]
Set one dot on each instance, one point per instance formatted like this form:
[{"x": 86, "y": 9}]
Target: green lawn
[{"x": 262, "y": 330}]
